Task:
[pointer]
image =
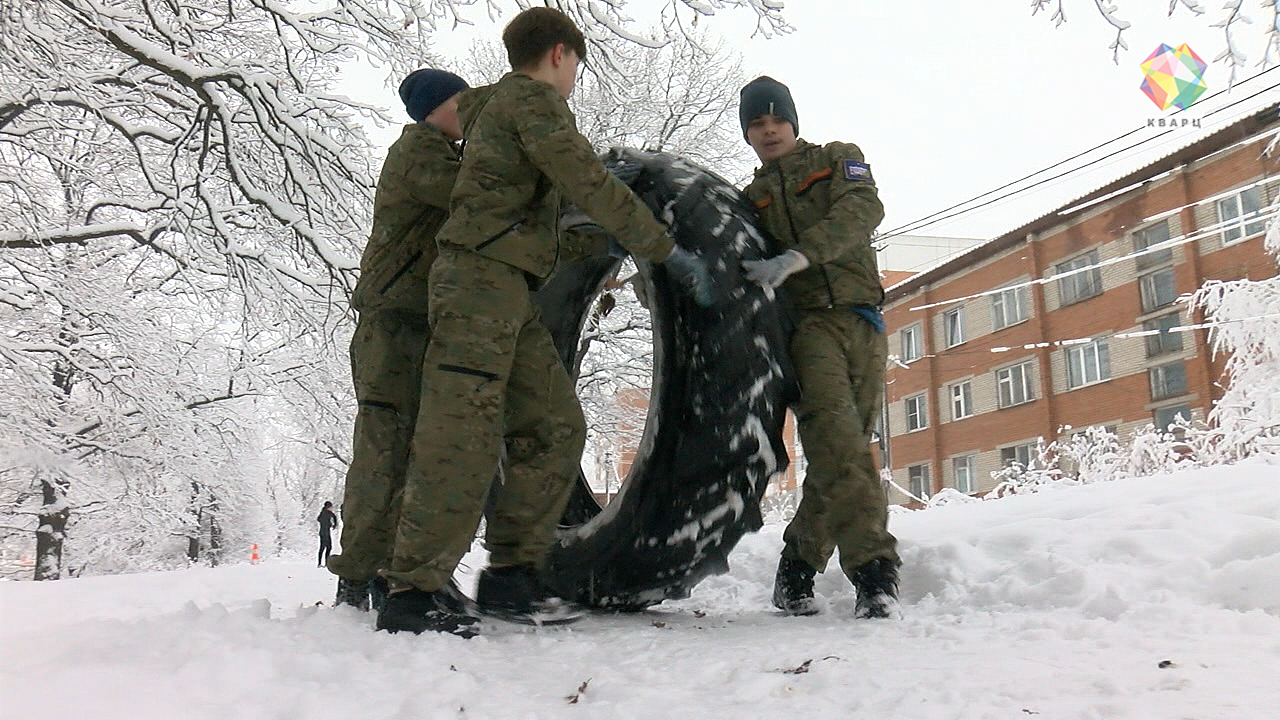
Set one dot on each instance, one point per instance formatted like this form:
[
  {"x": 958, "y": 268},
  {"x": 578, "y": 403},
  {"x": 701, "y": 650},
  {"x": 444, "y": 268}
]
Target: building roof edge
[{"x": 1240, "y": 130}]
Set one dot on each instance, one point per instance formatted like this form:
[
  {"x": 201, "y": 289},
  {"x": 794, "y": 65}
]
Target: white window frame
[
  {"x": 1080, "y": 284},
  {"x": 961, "y": 395},
  {"x": 1023, "y": 454},
  {"x": 1009, "y": 307},
  {"x": 1005, "y": 377},
  {"x": 1148, "y": 289},
  {"x": 1159, "y": 376},
  {"x": 1160, "y": 335},
  {"x": 920, "y": 485},
  {"x": 964, "y": 481},
  {"x": 1141, "y": 242},
  {"x": 912, "y": 339},
  {"x": 916, "y": 408},
  {"x": 1171, "y": 412},
  {"x": 1088, "y": 363},
  {"x": 1234, "y": 215},
  {"x": 953, "y": 327}
]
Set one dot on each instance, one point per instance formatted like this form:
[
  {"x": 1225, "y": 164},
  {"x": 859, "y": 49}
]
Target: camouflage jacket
[
  {"x": 524, "y": 159},
  {"x": 409, "y": 207},
  {"x": 822, "y": 201}
]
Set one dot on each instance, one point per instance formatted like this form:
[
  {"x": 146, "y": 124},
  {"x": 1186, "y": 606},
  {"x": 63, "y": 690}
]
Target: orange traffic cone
[{"x": 253, "y": 554}]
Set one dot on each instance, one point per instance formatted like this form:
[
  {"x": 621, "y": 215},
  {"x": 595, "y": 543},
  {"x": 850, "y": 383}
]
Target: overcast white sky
[{"x": 950, "y": 100}]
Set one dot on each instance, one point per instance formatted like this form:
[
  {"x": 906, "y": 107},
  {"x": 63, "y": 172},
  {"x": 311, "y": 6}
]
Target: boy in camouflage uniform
[
  {"x": 410, "y": 205},
  {"x": 821, "y": 205},
  {"x": 492, "y": 378}
]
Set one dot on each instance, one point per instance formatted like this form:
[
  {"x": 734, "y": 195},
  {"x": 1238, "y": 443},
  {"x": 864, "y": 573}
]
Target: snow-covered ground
[{"x": 1149, "y": 598}]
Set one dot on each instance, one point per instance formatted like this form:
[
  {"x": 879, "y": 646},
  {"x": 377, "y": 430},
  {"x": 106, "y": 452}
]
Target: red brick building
[{"x": 1074, "y": 320}]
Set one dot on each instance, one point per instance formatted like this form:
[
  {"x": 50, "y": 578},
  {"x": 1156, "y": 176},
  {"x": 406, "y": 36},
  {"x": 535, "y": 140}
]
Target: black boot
[
  {"x": 516, "y": 593},
  {"x": 793, "y": 587},
  {"x": 352, "y": 592},
  {"x": 419, "y": 611},
  {"x": 378, "y": 593},
  {"x": 877, "y": 584}
]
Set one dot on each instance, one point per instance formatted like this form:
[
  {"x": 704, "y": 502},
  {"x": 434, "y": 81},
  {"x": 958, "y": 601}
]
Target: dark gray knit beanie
[
  {"x": 766, "y": 96},
  {"x": 425, "y": 90}
]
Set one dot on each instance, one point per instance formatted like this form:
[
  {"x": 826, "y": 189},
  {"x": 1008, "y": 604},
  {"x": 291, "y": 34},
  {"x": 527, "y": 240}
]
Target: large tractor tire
[{"x": 721, "y": 384}]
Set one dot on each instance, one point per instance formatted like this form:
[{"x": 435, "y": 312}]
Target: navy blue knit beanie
[
  {"x": 766, "y": 96},
  {"x": 425, "y": 90}
]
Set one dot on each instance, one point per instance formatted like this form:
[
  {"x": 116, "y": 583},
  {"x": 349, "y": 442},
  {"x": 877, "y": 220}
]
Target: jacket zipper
[
  {"x": 400, "y": 273},
  {"x": 494, "y": 238},
  {"x": 795, "y": 236}
]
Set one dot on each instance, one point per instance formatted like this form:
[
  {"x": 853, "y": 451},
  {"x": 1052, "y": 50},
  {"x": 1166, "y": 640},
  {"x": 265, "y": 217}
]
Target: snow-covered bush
[
  {"x": 1017, "y": 478},
  {"x": 1096, "y": 454}
]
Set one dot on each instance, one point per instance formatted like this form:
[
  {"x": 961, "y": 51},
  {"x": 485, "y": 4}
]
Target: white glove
[{"x": 773, "y": 272}]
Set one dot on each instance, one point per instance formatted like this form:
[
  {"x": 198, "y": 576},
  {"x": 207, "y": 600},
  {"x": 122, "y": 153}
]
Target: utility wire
[
  {"x": 1059, "y": 175},
  {"x": 930, "y": 219}
]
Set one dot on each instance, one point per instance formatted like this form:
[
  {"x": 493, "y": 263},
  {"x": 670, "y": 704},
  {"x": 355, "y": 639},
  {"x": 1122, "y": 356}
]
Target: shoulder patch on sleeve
[{"x": 855, "y": 171}]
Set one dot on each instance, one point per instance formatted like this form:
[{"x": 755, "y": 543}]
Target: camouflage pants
[
  {"x": 386, "y": 365},
  {"x": 491, "y": 378},
  {"x": 840, "y": 360}
]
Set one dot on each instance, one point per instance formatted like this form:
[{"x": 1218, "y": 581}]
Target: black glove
[
  {"x": 692, "y": 272},
  {"x": 574, "y": 220},
  {"x": 627, "y": 172}
]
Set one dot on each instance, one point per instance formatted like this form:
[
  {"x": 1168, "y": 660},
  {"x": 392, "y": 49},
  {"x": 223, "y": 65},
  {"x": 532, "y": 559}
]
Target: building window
[
  {"x": 918, "y": 480},
  {"x": 912, "y": 347},
  {"x": 1148, "y": 237},
  {"x": 1014, "y": 385},
  {"x": 1157, "y": 290},
  {"x": 1088, "y": 364},
  {"x": 1082, "y": 283},
  {"x": 1240, "y": 215},
  {"x": 1164, "y": 340},
  {"x": 1164, "y": 417},
  {"x": 917, "y": 413},
  {"x": 961, "y": 400},
  {"x": 1009, "y": 307},
  {"x": 1168, "y": 381},
  {"x": 953, "y": 326},
  {"x": 962, "y": 468},
  {"x": 1020, "y": 454}
]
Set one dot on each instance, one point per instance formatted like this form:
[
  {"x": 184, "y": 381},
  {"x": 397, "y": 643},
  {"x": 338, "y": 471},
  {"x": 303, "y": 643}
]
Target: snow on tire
[{"x": 721, "y": 386}]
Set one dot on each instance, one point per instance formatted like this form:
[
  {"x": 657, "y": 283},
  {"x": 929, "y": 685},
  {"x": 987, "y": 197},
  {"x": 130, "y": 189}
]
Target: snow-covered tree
[
  {"x": 1230, "y": 19},
  {"x": 183, "y": 197},
  {"x": 1244, "y": 316}
]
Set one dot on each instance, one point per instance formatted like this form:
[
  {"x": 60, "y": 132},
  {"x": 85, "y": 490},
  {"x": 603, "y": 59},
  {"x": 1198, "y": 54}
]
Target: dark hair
[
  {"x": 533, "y": 32},
  {"x": 328, "y": 504}
]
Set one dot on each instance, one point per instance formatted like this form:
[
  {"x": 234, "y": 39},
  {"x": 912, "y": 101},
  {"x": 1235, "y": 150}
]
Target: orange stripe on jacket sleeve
[
  {"x": 820, "y": 175},
  {"x": 762, "y": 204}
]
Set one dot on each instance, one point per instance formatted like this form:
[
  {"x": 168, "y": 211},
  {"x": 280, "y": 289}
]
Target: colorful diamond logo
[{"x": 1174, "y": 77}]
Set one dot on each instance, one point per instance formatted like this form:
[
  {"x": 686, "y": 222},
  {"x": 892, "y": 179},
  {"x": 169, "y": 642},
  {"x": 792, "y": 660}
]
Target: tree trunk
[
  {"x": 51, "y": 523},
  {"x": 51, "y": 529},
  {"x": 197, "y": 531},
  {"x": 215, "y": 536},
  {"x": 204, "y": 544}
]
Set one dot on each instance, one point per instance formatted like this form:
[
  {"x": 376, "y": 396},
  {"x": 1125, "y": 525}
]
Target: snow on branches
[{"x": 1229, "y": 23}]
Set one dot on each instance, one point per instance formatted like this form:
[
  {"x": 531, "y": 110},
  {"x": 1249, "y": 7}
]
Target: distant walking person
[{"x": 328, "y": 521}]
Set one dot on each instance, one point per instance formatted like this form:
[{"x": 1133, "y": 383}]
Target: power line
[
  {"x": 1069, "y": 342},
  {"x": 1263, "y": 216},
  {"x": 1061, "y": 174},
  {"x": 930, "y": 219}
]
